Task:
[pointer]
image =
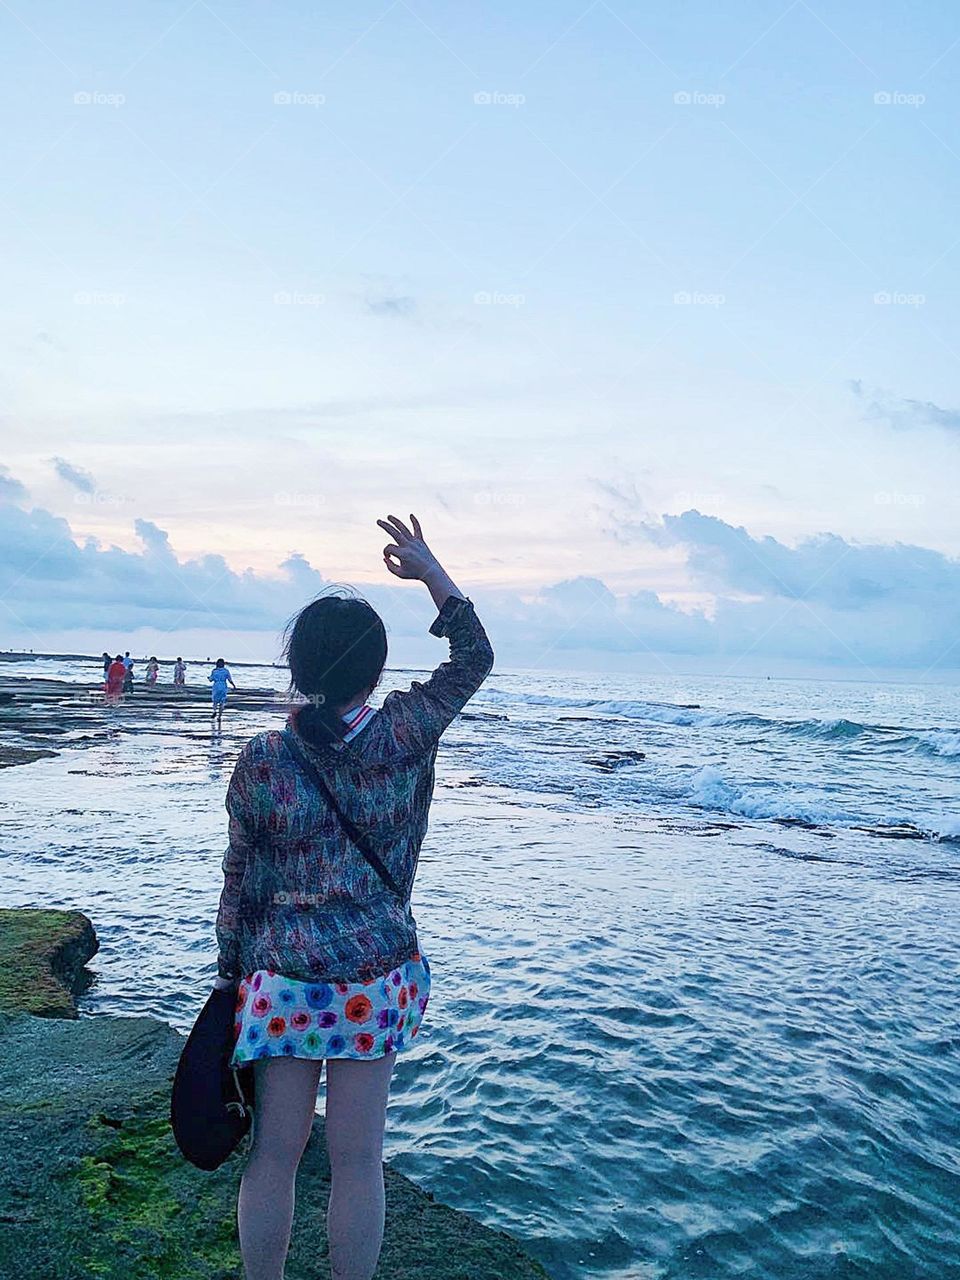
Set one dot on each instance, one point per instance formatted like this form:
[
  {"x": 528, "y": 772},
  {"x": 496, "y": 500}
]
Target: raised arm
[{"x": 424, "y": 710}]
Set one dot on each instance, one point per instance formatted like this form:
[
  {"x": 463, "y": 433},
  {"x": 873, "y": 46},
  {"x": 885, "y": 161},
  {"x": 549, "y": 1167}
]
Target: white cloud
[
  {"x": 901, "y": 413},
  {"x": 825, "y": 600}
]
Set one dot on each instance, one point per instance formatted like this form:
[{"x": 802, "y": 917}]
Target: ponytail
[{"x": 336, "y": 647}]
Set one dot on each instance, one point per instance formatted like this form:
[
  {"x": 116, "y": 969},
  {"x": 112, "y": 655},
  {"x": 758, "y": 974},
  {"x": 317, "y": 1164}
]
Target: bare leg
[
  {"x": 355, "y": 1115},
  {"x": 286, "y": 1096}
]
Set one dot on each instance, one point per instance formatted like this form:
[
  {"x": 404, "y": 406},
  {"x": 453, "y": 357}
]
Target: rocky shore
[
  {"x": 92, "y": 1186},
  {"x": 39, "y": 715}
]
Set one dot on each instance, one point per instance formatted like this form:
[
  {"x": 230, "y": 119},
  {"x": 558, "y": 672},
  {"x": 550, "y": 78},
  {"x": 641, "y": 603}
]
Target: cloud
[
  {"x": 825, "y": 600},
  {"x": 76, "y": 476},
  {"x": 11, "y": 490},
  {"x": 902, "y": 414},
  {"x": 392, "y": 306}
]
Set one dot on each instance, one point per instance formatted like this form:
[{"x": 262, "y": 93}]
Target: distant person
[
  {"x": 220, "y": 677},
  {"x": 152, "y": 672},
  {"x": 116, "y": 678},
  {"x": 179, "y": 674},
  {"x": 321, "y": 945},
  {"x": 128, "y": 677},
  {"x": 107, "y": 660}
]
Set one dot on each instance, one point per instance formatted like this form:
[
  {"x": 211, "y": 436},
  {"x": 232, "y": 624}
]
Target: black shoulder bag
[
  {"x": 211, "y": 1103},
  {"x": 307, "y": 768}
]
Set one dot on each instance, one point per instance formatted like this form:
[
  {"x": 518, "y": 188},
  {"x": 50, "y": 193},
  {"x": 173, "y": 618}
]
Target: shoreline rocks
[
  {"x": 92, "y": 1184},
  {"x": 43, "y": 954}
]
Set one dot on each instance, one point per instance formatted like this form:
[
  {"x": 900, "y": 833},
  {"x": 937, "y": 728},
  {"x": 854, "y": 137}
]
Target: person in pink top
[{"x": 116, "y": 674}]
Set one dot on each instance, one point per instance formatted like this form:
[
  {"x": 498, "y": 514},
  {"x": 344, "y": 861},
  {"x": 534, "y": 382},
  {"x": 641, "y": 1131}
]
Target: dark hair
[
  {"x": 220, "y": 663},
  {"x": 336, "y": 647}
]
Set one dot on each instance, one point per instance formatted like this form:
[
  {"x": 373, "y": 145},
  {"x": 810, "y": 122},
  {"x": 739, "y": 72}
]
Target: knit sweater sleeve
[
  {"x": 234, "y": 864},
  {"x": 421, "y": 713}
]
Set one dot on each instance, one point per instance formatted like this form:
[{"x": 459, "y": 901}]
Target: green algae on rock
[
  {"x": 92, "y": 1186},
  {"x": 42, "y": 958}
]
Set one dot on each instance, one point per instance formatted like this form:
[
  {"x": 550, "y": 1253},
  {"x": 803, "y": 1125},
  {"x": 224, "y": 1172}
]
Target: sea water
[{"x": 695, "y": 1009}]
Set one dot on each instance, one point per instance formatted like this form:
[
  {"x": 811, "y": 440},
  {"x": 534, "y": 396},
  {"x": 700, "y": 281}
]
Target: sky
[{"x": 645, "y": 310}]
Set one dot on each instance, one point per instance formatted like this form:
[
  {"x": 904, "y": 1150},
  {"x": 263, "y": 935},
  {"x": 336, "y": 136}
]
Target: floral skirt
[{"x": 280, "y": 1017}]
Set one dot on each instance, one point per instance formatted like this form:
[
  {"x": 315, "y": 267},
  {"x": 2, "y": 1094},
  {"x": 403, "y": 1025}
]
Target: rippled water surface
[{"x": 694, "y": 1014}]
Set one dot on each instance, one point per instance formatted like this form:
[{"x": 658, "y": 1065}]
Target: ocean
[{"x": 695, "y": 1008}]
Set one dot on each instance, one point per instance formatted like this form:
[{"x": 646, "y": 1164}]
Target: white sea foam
[{"x": 710, "y": 790}]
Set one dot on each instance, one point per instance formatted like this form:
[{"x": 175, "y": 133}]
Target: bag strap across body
[{"x": 310, "y": 771}]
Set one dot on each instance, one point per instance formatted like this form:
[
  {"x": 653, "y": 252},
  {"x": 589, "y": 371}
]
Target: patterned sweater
[{"x": 298, "y": 897}]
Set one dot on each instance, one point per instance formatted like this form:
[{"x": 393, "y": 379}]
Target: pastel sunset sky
[{"x": 647, "y": 311}]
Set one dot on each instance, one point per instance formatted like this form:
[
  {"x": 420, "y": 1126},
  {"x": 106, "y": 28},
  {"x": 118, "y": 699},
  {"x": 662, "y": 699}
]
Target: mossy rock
[
  {"x": 92, "y": 1186},
  {"x": 42, "y": 958}
]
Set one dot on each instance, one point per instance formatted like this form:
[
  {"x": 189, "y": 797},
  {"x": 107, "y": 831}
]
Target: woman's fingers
[
  {"x": 401, "y": 526},
  {"x": 394, "y": 565},
  {"x": 417, "y": 531},
  {"x": 394, "y": 533}
]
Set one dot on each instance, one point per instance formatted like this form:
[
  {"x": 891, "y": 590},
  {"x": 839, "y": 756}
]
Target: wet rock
[
  {"x": 42, "y": 959},
  {"x": 92, "y": 1184},
  {"x": 611, "y": 760}
]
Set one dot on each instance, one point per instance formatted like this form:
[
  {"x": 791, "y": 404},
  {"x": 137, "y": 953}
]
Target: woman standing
[
  {"x": 315, "y": 925},
  {"x": 116, "y": 675},
  {"x": 153, "y": 671}
]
